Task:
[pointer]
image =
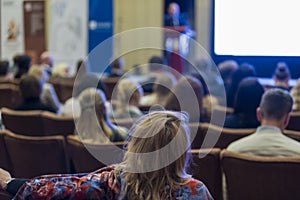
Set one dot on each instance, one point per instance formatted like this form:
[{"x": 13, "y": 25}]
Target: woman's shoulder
[{"x": 195, "y": 189}]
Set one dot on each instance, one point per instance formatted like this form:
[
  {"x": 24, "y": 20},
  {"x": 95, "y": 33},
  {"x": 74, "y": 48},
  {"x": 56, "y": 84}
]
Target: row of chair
[
  {"x": 37, "y": 123},
  {"x": 247, "y": 177}
]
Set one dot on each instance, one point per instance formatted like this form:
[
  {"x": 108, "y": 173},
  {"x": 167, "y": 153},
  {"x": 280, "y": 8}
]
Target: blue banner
[{"x": 100, "y": 29}]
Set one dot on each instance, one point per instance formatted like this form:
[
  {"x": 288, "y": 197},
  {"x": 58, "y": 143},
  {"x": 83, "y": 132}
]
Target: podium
[{"x": 176, "y": 45}]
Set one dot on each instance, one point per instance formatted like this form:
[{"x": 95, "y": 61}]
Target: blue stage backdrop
[{"x": 100, "y": 28}]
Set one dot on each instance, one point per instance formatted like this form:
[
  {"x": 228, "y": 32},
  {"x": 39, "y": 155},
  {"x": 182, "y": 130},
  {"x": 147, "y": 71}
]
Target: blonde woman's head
[
  {"x": 39, "y": 73},
  {"x": 156, "y": 155}
]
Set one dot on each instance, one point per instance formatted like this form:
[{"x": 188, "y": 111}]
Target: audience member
[
  {"x": 282, "y": 76},
  {"x": 247, "y": 101},
  {"x": 269, "y": 140},
  {"x": 245, "y": 70},
  {"x": 227, "y": 68},
  {"x": 48, "y": 96},
  {"x": 181, "y": 98},
  {"x": 31, "y": 90},
  {"x": 117, "y": 67},
  {"x": 62, "y": 70},
  {"x": 22, "y": 63},
  {"x": 82, "y": 69},
  {"x": 134, "y": 178},
  {"x": 161, "y": 89},
  {"x": 94, "y": 125},
  {"x": 72, "y": 105},
  {"x": 47, "y": 62},
  {"x": 128, "y": 95},
  {"x": 174, "y": 17},
  {"x": 4, "y": 71},
  {"x": 296, "y": 96}
]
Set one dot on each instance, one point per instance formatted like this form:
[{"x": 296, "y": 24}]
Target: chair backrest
[
  {"x": 57, "y": 125},
  {"x": 10, "y": 95},
  {"x": 110, "y": 86},
  {"x": 252, "y": 177},
  {"x": 219, "y": 112},
  {"x": 63, "y": 88},
  {"x": 5, "y": 162},
  {"x": 197, "y": 134},
  {"x": 205, "y": 166},
  {"x": 292, "y": 134},
  {"x": 84, "y": 161},
  {"x": 5, "y": 195},
  {"x": 23, "y": 122},
  {"x": 294, "y": 123},
  {"x": 223, "y": 136},
  {"x": 34, "y": 156}
]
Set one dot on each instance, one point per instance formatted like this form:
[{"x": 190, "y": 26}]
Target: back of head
[
  {"x": 164, "y": 83},
  {"x": 89, "y": 126},
  {"x": 162, "y": 139},
  {"x": 248, "y": 97},
  {"x": 227, "y": 68},
  {"x": 186, "y": 95},
  {"x": 89, "y": 81},
  {"x": 127, "y": 89},
  {"x": 156, "y": 63},
  {"x": 4, "y": 66},
  {"x": 282, "y": 72},
  {"x": 47, "y": 59},
  {"x": 61, "y": 70},
  {"x": 30, "y": 87},
  {"x": 118, "y": 63},
  {"x": 39, "y": 73},
  {"x": 276, "y": 104},
  {"x": 23, "y": 63}
]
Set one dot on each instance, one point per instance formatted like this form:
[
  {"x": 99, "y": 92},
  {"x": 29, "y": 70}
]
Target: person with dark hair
[
  {"x": 269, "y": 140},
  {"x": 243, "y": 71},
  {"x": 31, "y": 90},
  {"x": 4, "y": 71},
  {"x": 282, "y": 76},
  {"x": 227, "y": 68},
  {"x": 23, "y": 63},
  {"x": 162, "y": 175},
  {"x": 117, "y": 67},
  {"x": 247, "y": 100}
]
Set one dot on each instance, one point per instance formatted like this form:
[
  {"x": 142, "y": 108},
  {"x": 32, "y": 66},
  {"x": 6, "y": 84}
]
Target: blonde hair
[
  {"x": 93, "y": 123},
  {"x": 164, "y": 134},
  {"x": 39, "y": 73},
  {"x": 127, "y": 91}
]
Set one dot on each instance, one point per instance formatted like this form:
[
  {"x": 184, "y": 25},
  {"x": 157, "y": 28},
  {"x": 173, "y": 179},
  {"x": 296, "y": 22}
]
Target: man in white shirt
[{"x": 268, "y": 140}]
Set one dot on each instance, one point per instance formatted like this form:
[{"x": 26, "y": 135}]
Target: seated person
[
  {"x": 282, "y": 76},
  {"x": 94, "y": 125},
  {"x": 128, "y": 95},
  {"x": 49, "y": 95},
  {"x": 247, "y": 100},
  {"x": 165, "y": 178},
  {"x": 269, "y": 140},
  {"x": 4, "y": 74},
  {"x": 31, "y": 90},
  {"x": 117, "y": 67},
  {"x": 22, "y": 64},
  {"x": 187, "y": 95},
  {"x": 161, "y": 89}
]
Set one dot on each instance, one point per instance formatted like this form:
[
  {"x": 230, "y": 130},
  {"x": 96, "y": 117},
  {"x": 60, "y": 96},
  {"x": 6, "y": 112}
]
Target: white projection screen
[{"x": 256, "y": 28}]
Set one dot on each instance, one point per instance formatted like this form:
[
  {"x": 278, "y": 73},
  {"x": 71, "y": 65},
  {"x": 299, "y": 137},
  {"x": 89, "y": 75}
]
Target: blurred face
[{"x": 173, "y": 9}]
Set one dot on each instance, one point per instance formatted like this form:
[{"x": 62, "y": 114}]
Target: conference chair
[
  {"x": 5, "y": 162},
  {"x": 260, "y": 178},
  {"x": 57, "y": 125},
  {"x": 205, "y": 166},
  {"x": 292, "y": 134},
  {"x": 36, "y": 155},
  {"x": 209, "y": 135},
  {"x": 23, "y": 122},
  {"x": 10, "y": 96},
  {"x": 294, "y": 123},
  {"x": 88, "y": 157}
]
